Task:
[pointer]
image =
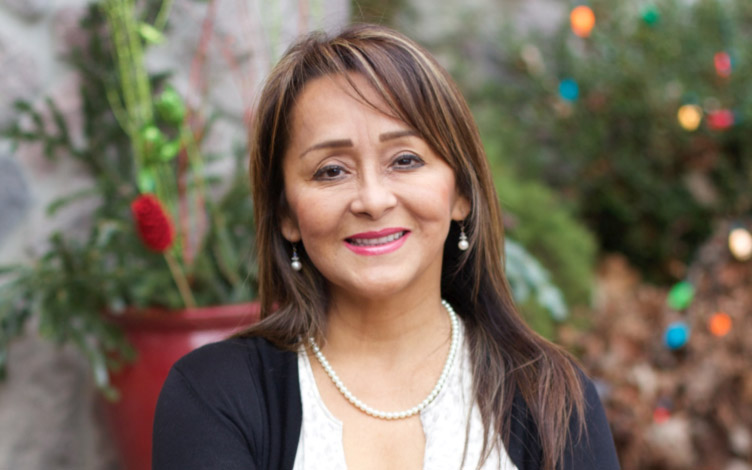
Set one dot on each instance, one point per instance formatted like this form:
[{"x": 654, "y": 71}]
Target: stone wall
[{"x": 48, "y": 414}]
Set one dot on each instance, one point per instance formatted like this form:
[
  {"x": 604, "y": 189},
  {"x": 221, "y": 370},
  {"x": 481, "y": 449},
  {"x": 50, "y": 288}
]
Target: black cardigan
[{"x": 236, "y": 405}]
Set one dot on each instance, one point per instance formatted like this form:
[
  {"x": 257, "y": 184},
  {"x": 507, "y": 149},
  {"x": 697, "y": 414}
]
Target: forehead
[{"x": 336, "y": 94}]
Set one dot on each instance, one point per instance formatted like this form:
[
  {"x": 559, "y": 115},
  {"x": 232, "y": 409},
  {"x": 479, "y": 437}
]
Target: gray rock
[
  {"x": 48, "y": 417},
  {"x": 14, "y": 195},
  {"x": 29, "y": 10},
  {"x": 66, "y": 33},
  {"x": 19, "y": 80},
  {"x": 66, "y": 94}
]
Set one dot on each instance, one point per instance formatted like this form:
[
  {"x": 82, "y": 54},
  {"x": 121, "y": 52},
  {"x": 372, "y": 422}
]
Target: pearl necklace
[{"x": 396, "y": 414}]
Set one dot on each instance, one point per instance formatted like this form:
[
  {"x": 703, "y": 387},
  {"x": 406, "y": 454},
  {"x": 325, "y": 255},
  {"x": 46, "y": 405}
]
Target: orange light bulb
[
  {"x": 582, "y": 20},
  {"x": 719, "y": 324}
]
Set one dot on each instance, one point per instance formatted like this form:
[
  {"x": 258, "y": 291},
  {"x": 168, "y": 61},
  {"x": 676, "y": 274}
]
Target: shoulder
[
  {"x": 234, "y": 377},
  {"x": 591, "y": 449},
  {"x": 594, "y": 448},
  {"x": 229, "y": 404},
  {"x": 236, "y": 361}
]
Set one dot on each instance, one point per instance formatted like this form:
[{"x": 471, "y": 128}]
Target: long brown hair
[{"x": 508, "y": 357}]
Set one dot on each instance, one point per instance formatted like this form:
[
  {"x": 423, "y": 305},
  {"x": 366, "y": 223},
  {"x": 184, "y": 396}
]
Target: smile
[{"x": 377, "y": 243}]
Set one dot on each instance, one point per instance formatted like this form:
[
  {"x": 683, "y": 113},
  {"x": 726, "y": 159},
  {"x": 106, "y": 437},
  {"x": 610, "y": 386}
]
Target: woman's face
[{"x": 368, "y": 198}]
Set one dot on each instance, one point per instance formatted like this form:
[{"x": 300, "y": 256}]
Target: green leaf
[
  {"x": 150, "y": 34},
  {"x": 170, "y": 106},
  {"x": 527, "y": 278},
  {"x": 60, "y": 122},
  {"x": 99, "y": 368},
  {"x": 152, "y": 135},
  {"x": 110, "y": 393},
  {"x": 22, "y": 106},
  {"x": 3, "y": 362},
  {"x": 59, "y": 203},
  {"x": 105, "y": 231},
  {"x": 12, "y": 269},
  {"x": 146, "y": 181},
  {"x": 169, "y": 150}
]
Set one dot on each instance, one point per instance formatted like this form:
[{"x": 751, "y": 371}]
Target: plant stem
[
  {"x": 179, "y": 276},
  {"x": 164, "y": 12},
  {"x": 119, "y": 112}
]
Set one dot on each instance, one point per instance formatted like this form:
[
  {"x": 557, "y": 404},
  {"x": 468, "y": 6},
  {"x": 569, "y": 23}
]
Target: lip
[{"x": 382, "y": 248}]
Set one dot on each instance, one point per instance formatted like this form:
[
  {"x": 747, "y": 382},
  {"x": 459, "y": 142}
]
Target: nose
[{"x": 374, "y": 197}]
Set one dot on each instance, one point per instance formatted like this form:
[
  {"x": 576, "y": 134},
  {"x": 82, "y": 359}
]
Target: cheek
[
  {"x": 316, "y": 214},
  {"x": 434, "y": 199}
]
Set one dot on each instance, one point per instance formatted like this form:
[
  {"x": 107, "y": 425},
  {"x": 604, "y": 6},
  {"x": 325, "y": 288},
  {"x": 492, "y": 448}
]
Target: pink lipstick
[{"x": 377, "y": 243}]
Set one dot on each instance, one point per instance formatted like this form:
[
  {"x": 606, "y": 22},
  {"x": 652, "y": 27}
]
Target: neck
[{"x": 387, "y": 327}]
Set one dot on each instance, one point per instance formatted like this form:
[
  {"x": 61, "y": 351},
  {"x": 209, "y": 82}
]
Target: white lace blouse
[{"x": 320, "y": 445}]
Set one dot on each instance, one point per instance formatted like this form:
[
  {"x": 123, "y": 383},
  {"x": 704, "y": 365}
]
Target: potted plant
[{"x": 167, "y": 262}]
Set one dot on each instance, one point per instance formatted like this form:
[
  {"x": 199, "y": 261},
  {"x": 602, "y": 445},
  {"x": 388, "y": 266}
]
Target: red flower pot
[{"x": 160, "y": 338}]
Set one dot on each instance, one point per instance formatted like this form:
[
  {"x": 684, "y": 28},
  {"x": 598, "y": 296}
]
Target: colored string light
[
  {"x": 569, "y": 90},
  {"x": 722, "y": 62},
  {"x": 650, "y": 15},
  {"x": 689, "y": 116},
  {"x": 740, "y": 244},
  {"x": 677, "y": 335},
  {"x": 661, "y": 415},
  {"x": 582, "y": 20},
  {"x": 680, "y": 295},
  {"x": 721, "y": 119},
  {"x": 719, "y": 324}
]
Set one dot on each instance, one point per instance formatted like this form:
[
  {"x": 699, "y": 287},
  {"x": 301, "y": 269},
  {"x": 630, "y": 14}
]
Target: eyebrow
[
  {"x": 340, "y": 143},
  {"x": 397, "y": 134},
  {"x": 328, "y": 144}
]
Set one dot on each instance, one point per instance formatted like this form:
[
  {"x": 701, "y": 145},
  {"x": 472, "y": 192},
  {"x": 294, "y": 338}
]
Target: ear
[
  {"x": 290, "y": 229},
  {"x": 461, "y": 208}
]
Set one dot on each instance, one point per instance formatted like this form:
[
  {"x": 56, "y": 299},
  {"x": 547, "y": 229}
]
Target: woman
[{"x": 374, "y": 201}]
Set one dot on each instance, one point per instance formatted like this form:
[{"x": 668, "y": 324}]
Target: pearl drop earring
[
  {"x": 295, "y": 260},
  {"x": 463, "y": 244}
]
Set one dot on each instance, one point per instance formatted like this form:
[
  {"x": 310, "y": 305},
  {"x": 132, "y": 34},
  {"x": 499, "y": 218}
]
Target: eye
[
  {"x": 329, "y": 172},
  {"x": 407, "y": 161}
]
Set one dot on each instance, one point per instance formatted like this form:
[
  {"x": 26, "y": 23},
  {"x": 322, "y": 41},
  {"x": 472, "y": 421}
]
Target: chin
[{"x": 373, "y": 288}]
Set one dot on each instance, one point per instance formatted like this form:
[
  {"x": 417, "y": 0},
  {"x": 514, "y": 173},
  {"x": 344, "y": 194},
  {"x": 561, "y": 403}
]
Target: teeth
[{"x": 376, "y": 241}]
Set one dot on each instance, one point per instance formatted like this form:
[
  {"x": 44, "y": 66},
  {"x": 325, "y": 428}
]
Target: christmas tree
[{"x": 640, "y": 115}]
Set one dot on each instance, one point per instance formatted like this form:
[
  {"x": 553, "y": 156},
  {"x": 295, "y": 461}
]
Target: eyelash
[
  {"x": 413, "y": 161},
  {"x": 321, "y": 173}
]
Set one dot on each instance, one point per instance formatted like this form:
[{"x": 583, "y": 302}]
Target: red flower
[
  {"x": 721, "y": 119},
  {"x": 152, "y": 223}
]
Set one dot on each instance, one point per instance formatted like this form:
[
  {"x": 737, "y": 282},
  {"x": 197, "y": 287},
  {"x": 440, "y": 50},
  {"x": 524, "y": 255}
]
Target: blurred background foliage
[
  {"x": 596, "y": 119},
  {"x": 376, "y": 11}
]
